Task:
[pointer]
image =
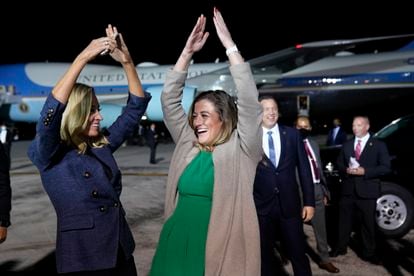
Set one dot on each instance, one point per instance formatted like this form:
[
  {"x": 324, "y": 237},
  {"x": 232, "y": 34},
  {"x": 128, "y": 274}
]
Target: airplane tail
[{"x": 407, "y": 47}]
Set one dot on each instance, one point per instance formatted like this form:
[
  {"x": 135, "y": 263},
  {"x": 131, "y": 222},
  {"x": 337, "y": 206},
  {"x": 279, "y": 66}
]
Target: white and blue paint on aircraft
[
  {"x": 321, "y": 79},
  {"x": 326, "y": 79},
  {"x": 32, "y": 82}
]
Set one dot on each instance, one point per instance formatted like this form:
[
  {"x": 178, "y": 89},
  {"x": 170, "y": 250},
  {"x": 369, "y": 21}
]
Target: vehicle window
[
  {"x": 398, "y": 135},
  {"x": 405, "y": 124}
]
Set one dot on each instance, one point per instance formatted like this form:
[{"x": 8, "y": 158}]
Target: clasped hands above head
[{"x": 110, "y": 41}]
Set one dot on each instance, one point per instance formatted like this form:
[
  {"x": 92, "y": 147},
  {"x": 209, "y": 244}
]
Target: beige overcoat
[{"x": 233, "y": 239}]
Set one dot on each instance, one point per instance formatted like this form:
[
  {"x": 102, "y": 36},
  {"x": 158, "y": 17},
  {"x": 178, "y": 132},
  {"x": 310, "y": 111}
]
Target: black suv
[{"x": 395, "y": 207}]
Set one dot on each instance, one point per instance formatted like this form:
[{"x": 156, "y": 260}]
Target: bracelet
[{"x": 232, "y": 49}]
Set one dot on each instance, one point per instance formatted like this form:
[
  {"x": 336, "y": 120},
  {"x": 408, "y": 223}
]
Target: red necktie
[
  {"x": 358, "y": 150},
  {"x": 313, "y": 161}
]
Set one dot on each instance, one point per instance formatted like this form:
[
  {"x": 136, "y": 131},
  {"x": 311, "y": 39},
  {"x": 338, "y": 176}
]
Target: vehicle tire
[{"x": 394, "y": 214}]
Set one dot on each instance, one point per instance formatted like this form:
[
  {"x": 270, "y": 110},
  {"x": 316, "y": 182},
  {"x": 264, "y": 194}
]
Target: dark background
[{"x": 157, "y": 30}]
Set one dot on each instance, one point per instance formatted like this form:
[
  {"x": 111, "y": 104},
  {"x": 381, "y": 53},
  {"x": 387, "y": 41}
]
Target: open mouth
[{"x": 201, "y": 132}]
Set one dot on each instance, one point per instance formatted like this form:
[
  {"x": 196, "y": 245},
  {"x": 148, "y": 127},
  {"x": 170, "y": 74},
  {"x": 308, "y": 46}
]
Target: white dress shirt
[
  {"x": 276, "y": 141},
  {"x": 3, "y": 134},
  {"x": 363, "y": 141}
]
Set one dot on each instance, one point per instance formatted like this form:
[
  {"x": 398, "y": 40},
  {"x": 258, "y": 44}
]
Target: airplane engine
[
  {"x": 109, "y": 113},
  {"x": 154, "y": 110},
  {"x": 26, "y": 111}
]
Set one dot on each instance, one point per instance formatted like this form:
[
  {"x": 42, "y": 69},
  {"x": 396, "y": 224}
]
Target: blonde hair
[
  {"x": 226, "y": 108},
  {"x": 75, "y": 120}
]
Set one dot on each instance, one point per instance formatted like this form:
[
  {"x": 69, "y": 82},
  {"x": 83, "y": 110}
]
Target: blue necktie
[{"x": 272, "y": 155}]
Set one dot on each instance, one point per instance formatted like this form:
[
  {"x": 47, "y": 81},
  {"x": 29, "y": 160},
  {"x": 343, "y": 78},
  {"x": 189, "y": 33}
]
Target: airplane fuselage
[{"x": 32, "y": 83}]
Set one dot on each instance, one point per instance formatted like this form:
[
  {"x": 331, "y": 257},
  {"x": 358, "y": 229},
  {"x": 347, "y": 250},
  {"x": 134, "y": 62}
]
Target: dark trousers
[
  {"x": 292, "y": 238},
  {"x": 152, "y": 154},
  {"x": 123, "y": 268},
  {"x": 354, "y": 207}
]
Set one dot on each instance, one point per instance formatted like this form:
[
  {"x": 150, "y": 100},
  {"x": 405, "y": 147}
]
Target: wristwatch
[{"x": 4, "y": 223}]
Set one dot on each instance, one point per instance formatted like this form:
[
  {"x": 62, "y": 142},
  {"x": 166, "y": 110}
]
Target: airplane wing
[{"x": 325, "y": 43}]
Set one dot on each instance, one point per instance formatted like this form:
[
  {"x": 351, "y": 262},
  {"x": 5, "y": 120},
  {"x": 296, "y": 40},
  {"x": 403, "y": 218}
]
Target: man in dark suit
[
  {"x": 276, "y": 193},
  {"x": 336, "y": 136},
  {"x": 151, "y": 137},
  {"x": 322, "y": 195},
  {"x": 5, "y": 192},
  {"x": 6, "y": 138},
  {"x": 361, "y": 162}
]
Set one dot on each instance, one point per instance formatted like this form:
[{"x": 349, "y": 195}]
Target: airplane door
[{"x": 303, "y": 105}]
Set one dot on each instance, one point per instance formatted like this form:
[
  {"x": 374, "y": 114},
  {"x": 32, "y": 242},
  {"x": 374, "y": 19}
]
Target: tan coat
[{"x": 233, "y": 239}]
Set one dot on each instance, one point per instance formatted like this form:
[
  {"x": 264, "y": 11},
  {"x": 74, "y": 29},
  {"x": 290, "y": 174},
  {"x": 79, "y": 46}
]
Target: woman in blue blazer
[{"x": 78, "y": 170}]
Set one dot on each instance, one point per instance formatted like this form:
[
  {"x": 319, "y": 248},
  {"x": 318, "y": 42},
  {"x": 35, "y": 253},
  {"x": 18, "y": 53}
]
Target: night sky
[{"x": 155, "y": 31}]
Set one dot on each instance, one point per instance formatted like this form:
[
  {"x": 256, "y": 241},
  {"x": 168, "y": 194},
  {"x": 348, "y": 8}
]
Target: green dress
[{"x": 182, "y": 243}]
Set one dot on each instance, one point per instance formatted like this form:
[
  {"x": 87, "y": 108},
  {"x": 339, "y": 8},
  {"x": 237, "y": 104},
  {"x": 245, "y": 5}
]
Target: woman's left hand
[
  {"x": 120, "y": 52},
  {"x": 222, "y": 30}
]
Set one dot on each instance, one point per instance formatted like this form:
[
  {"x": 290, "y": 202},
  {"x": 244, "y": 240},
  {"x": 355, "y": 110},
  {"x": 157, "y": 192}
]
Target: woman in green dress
[{"x": 211, "y": 224}]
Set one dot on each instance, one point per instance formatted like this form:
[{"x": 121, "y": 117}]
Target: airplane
[
  {"x": 24, "y": 88},
  {"x": 334, "y": 78},
  {"x": 323, "y": 79}
]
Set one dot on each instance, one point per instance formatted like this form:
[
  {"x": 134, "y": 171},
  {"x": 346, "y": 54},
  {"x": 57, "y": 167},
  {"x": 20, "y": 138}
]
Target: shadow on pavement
[
  {"x": 397, "y": 254},
  {"x": 46, "y": 266}
]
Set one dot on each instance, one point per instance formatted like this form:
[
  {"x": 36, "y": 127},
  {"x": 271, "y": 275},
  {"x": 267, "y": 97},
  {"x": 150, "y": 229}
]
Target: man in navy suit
[
  {"x": 151, "y": 137},
  {"x": 276, "y": 193},
  {"x": 5, "y": 188},
  {"x": 336, "y": 136},
  {"x": 361, "y": 162},
  {"x": 5, "y": 192},
  {"x": 6, "y": 138}
]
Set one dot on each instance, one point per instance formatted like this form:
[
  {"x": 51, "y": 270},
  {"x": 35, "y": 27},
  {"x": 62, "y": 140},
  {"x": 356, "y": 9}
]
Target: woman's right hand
[
  {"x": 195, "y": 42},
  {"x": 98, "y": 46},
  {"x": 198, "y": 37}
]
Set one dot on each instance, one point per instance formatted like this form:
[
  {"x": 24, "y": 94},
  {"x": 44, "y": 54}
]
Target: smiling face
[
  {"x": 95, "y": 117},
  {"x": 206, "y": 122},
  {"x": 360, "y": 126},
  {"x": 270, "y": 113}
]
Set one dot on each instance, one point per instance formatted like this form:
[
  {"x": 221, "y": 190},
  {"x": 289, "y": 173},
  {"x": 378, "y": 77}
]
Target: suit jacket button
[
  {"x": 116, "y": 204},
  {"x": 95, "y": 194},
  {"x": 102, "y": 209},
  {"x": 87, "y": 174},
  {"x": 276, "y": 190}
]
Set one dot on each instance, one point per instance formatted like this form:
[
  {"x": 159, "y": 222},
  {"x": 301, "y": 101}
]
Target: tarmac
[{"x": 29, "y": 248}]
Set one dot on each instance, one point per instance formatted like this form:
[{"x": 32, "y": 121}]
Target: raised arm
[
  {"x": 121, "y": 54},
  {"x": 175, "y": 117},
  {"x": 249, "y": 110},
  {"x": 195, "y": 43},
  {"x": 225, "y": 38},
  {"x": 62, "y": 89}
]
